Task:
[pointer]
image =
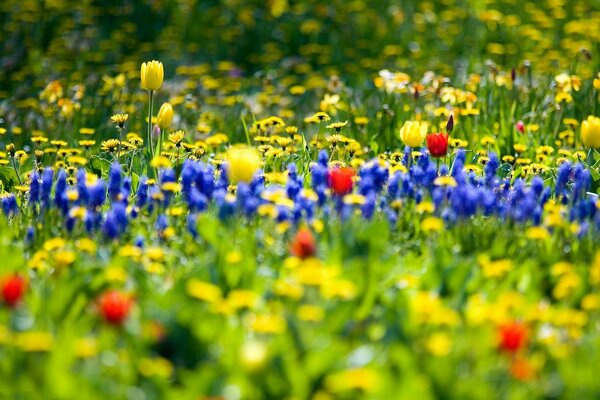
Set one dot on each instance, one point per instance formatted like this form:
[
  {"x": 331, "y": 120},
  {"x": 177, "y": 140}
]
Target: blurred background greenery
[{"x": 42, "y": 39}]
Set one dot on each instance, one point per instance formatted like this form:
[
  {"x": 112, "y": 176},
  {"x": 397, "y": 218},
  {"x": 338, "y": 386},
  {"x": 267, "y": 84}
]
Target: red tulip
[
  {"x": 520, "y": 126},
  {"x": 512, "y": 337},
  {"x": 437, "y": 144},
  {"x": 340, "y": 180},
  {"x": 13, "y": 288},
  {"x": 115, "y": 307},
  {"x": 303, "y": 246}
]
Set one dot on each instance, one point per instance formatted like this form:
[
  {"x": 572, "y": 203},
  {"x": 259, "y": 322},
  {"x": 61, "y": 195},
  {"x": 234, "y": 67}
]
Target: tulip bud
[
  {"x": 520, "y": 126},
  {"x": 303, "y": 246},
  {"x": 340, "y": 180},
  {"x": 437, "y": 144},
  {"x": 590, "y": 132},
  {"x": 512, "y": 337},
  {"x": 114, "y": 307},
  {"x": 450, "y": 124},
  {"x": 13, "y": 288},
  {"x": 242, "y": 163},
  {"x": 151, "y": 75},
  {"x": 165, "y": 116},
  {"x": 413, "y": 133}
]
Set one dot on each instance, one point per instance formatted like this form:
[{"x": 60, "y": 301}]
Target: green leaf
[
  {"x": 208, "y": 228},
  {"x": 8, "y": 176}
]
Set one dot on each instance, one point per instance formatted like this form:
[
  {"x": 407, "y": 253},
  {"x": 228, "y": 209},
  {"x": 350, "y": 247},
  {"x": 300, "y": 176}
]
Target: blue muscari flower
[
  {"x": 366, "y": 184},
  {"x": 293, "y": 185},
  {"x": 344, "y": 210},
  {"x": 191, "y": 225},
  {"x": 126, "y": 189},
  {"x": 34, "y": 188},
  {"x": 205, "y": 181},
  {"x": 437, "y": 196},
  {"x": 464, "y": 201},
  {"x": 449, "y": 216},
  {"x": 394, "y": 185},
  {"x": 391, "y": 216},
  {"x": 223, "y": 181},
  {"x": 318, "y": 176},
  {"x": 323, "y": 158},
  {"x": 70, "y": 223},
  {"x": 142, "y": 193},
  {"x": 119, "y": 210},
  {"x": 283, "y": 214},
  {"x": 489, "y": 202},
  {"x": 139, "y": 242},
  {"x": 321, "y": 195},
  {"x": 226, "y": 208},
  {"x": 537, "y": 185},
  {"x": 46, "y": 189},
  {"x": 197, "y": 201},
  {"x": 582, "y": 182},
  {"x": 189, "y": 174},
  {"x": 461, "y": 156},
  {"x": 257, "y": 185},
  {"x": 562, "y": 178},
  {"x": 246, "y": 200},
  {"x": 81, "y": 186},
  {"x": 29, "y": 234},
  {"x": 368, "y": 209},
  {"x": 60, "y": 188},
  {"x": 167, "y": 175},
  {"x": 583, "y": 229},
  {"x": 407, "y": 153},
  {"x": 407, "y": 186},
  {"x": 97, "y": 194},
  {"x": 381, "y": 175},
  {"x": 161, "y": 223},
  {"x": 114, "y": 180},
  {"x": 110, "y": 228},
  {"x": 490, "y": 169},
  {"x": 307, "y": 206}
]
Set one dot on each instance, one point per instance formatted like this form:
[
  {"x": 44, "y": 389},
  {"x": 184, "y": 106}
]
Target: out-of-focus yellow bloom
[
  {"x": 253, "y": 355},
  {"x": 203, "y": 291},
  {"x": 359, "y": 378},
  {"x": 432, "y": 224},
  {"x": 537, "y": 233},
  {"x": 243, "y": 162},
  {"x": 157, "y": 366},
  {"x": 590, "y": 132},
  {"x": 413, "y": 133},
  {"x": 165, "y": 116},
  {"x": 35, "y": 341},
  {"x": 268, "y": 323},
  {"x": 439, "y": 344},
  {"x": 86, "y": 347},
  {"x": 151, "y": 75}
]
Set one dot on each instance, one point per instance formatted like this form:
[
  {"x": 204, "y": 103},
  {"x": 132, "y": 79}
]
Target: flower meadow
[{"x": 353, "y": 199}]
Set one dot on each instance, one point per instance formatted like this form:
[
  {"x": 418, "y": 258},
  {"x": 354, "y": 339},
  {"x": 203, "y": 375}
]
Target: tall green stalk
[{"x": 149, "y": 147}]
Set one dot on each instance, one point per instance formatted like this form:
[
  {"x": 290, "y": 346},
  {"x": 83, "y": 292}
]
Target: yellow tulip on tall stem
[{"x": 151, "y": 75}]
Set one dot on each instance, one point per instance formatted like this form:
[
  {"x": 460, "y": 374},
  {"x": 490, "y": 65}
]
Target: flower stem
[
  {"x": 149, "y": 147},
  {"x": 14, "y": 163}
]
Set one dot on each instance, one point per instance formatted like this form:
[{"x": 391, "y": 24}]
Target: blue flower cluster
[{"x": 108, "y": 206}]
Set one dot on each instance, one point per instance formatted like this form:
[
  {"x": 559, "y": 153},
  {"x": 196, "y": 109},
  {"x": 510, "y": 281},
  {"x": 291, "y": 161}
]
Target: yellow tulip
[
  {"x": 590, "y": 132},
  {"x": 413, "y": 133},
  {"x": 243, "y": 162},
  {"x": 165, "y": 116},
  {"x": 152, "y": 74}
]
